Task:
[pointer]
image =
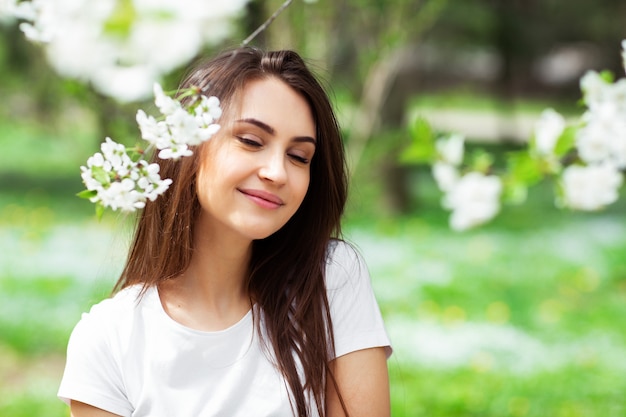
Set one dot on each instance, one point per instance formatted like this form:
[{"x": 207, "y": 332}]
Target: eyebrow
[{"x": 269, "y": 129}]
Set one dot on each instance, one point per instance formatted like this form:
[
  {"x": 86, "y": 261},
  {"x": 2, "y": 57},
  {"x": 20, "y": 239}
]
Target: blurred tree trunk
[
  {"x": 25, "y": 60},
  {"x": 513, "y": 45},
  {"x": 392, "y": 78}
]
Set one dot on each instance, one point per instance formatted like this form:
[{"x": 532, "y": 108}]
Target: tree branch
[{"x": 266, "y": 23}]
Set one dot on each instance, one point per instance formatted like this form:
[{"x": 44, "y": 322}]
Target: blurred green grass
[{"x": 537, "y": 276}]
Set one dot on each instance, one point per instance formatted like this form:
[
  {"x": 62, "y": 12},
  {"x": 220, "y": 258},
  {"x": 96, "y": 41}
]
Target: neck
[
  {"x": 219, "y": 265},
  {"x": 218, "y": 268},
  {"x": 212, "y": 293}
]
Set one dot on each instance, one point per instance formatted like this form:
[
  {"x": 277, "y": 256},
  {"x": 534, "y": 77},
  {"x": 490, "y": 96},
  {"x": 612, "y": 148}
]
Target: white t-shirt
[{"x": 128, "y": 357}]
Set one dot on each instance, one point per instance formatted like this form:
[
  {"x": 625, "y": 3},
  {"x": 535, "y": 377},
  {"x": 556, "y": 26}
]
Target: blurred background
[{"x": 521, "y": 317}]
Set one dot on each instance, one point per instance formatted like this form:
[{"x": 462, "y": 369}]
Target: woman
[{"x": 237, "y": 299}]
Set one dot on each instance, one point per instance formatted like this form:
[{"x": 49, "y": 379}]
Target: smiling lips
[{"x": 263, "y": 198}]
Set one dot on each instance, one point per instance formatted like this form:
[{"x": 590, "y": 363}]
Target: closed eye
[
  {"x": 249, "y": 142},
  {"x": 299, "y": 159}
]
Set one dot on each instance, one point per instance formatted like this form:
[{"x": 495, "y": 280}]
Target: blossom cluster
[
  {"x": 116, "y": 179},
  {"x": 587, "y": 157},
  {"x": 593, "y": 181},
  {"x": 113, "y": 179},
  {"x": 111, "y": 43},
  {"x": 473, "y": 197},
  {"x": 181, "y": 128}
]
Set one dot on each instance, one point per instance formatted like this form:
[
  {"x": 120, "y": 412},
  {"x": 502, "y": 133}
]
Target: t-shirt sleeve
[
  {"x": 356, "y": 317},
  {"x": 92, "y": 373}
]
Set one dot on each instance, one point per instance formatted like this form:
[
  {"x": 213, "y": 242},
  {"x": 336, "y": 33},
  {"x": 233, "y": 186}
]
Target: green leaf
[
  {"x": 566, "y": 141},
  {"x": 607, "y": 76},
  {"x": 422, "y": 148},
  {"x": 524, "y": 169},
  {"x": 421, "y": 131},
  {"x": 100, "y": 175},
  {"x": 121, "y": 20},
  {"x": 416, "y": 154},
  {"x": 135, "y": 153},
  {"x": 514, "y": 192},
  {"x": 481, "y": 161},
  {"x": 99, "y": 211},
  {"x": 87, "y": 194}
]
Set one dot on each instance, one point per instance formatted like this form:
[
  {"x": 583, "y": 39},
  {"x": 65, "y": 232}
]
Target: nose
[{"x": 273, "y": 168}]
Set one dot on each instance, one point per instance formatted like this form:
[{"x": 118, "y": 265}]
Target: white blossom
[
  {"x": 548, "y": 129},
  {"x": 474, "y": 200},
  {"x": 157, "y": 133},
  {"x": 603, "y": 135},
  {"x": 165, "y": 103},
  {"x": 113, "y": 179},
  {"x": 208, "y": 110},
  {"x": 83, "y": 39},
  {"x": 181, "y": 128},
  {"x": 125, "y": 83},
  {"x": 178, "y": 41},
  {"x": 7, "y": 9},
  {"x": 617, "y": 95},
  {"x": 446, "y": 175},
  {"x": 118, "y": 181},
  {"x": 590, "y": 187},
  {"x": 591, "y": 184},
  {"x": 175, "y": 152},
  {"x": 32, "y": 33},
  {"x": 122, "y": 195},
  {"x": 595, "y": 89},
  {"x": 598, "y": 92},
  {"x": 151, "y": 182},
  {"x": 451, "y": 149}
]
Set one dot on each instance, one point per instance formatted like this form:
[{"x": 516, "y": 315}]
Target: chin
[{"x": 260, "y": 233}]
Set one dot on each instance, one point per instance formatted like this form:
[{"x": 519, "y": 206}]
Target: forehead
[{"x": 275, "y": 103}]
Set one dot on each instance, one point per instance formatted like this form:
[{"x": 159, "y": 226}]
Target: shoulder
[
  {"x": 344, "y": 263},
  {"x": 356, "y": 318},
  {"x": 107, "y": 327},
  {"x": 341, "y": 253},
  {"x": 117, "y": 306},
  {"x": 109, "y": 316},
  {"x": 97, "y": 348}
]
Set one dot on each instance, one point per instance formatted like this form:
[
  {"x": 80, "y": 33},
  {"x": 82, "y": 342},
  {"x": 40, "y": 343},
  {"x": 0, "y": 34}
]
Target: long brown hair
[{"x": 286, "y": 271}]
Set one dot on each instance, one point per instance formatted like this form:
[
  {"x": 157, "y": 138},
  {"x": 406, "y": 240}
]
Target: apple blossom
[
  {"x": 586, "y": 157},
  {"x": 114, "y": 179},
  {"x": 446, "y": 175},
  {"x": 594, "y": 88},
  {"x": 181, "y": 127},
  {"x": 111, "y": 44},
  {"x": 7, "y": 9},
  {"x": 451, "y": 148},
  {"x": 548, "y": 129},
  {"x": 590, "y": 187},
  {"x": 474, "y": 199},
  {"x": 603, "y": 136}
]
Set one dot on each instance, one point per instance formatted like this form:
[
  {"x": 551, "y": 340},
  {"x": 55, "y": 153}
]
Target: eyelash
[
  {"x": 300, "y": 159},
  {"x": 249, "y": 142},
  {"x": 255, "y": 144}
]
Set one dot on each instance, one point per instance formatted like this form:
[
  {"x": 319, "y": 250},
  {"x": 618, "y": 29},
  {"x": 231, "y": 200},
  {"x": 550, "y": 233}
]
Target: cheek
[
  {"x": 211, "y": 168},
  {"x": 303, "y": 185},
  {"x": 206, "y": 183},
  {"x": 202, "y": 188}
]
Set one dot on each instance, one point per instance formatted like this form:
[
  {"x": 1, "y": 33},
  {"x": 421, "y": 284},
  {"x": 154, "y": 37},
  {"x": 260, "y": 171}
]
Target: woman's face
[{"x": 255, "y": 172}]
